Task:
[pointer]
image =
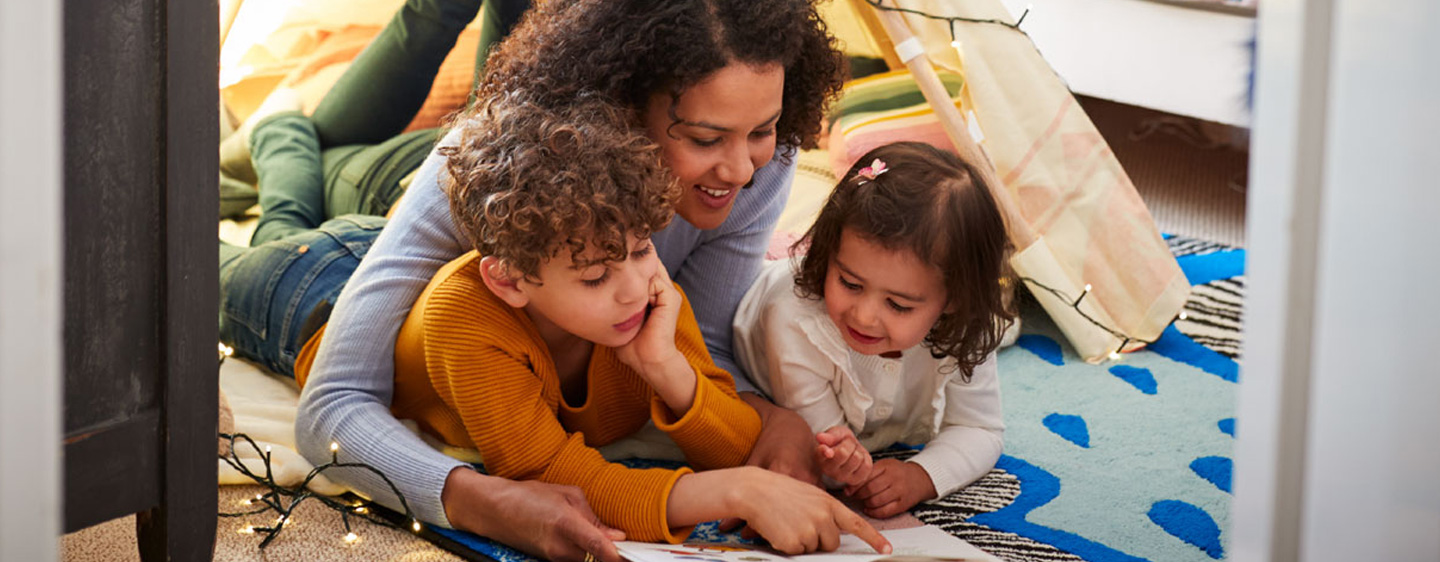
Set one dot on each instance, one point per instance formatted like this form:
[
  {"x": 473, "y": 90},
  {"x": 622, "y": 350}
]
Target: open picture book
[{"x": 917, "y": 544}]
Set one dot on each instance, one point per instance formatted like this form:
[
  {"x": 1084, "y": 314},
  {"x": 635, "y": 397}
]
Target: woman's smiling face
[{"x": 716, "y": 135}]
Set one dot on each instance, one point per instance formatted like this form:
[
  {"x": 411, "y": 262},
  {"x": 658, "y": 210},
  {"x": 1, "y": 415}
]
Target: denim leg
[
  {"x": 286, "y": 153},
  {"x": 268, "y": 292},
  {"x": 382, "y": 90}
]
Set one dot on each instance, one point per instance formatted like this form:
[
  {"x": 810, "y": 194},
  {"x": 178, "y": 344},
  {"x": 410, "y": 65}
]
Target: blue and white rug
[{"x": 1124, "y": 461}]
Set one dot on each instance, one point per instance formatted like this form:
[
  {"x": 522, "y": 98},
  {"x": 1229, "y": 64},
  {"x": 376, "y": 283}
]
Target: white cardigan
[{"x": 795, "y": 354}]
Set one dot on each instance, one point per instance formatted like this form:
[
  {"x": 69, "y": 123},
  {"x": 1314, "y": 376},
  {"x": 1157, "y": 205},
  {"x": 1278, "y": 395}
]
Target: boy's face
[{"x": 603, "y": 303}]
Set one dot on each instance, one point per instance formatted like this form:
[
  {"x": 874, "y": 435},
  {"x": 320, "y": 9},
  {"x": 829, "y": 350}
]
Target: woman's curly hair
[
  {"x": 629, "y": 50},
  {"x": 528, "y": 181},
  {"x": 931, "y": 203}
]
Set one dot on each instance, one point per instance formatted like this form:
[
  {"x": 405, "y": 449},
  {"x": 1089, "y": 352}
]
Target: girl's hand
[
  {"x": 654, "y": 345},
  {"x": 841, "y": 457},
  {"x": 894, "y": 487},
  {"x": 797, "y": 517}
]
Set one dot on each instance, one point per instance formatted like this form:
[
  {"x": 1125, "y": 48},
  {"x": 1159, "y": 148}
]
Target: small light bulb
[
  {"x": 1115, "y": 355},
  {"x": 955, "y": 43},
  {"x": 259, "y": 497},
  {"x": 267, "y": 449},
  {"x": 1183, "y": 315},
  {"x": 279, "y": 520},
  {"x": 246, "y": 502},
  {"x": 351, "y": 537},
  {"x": 1087, "y": 287},
  {"x": 246, "y": 530},
  {"x": 334, "y": 446},
  {"x": 361, "y": 510},
  {"x": 415, "y": 525}
]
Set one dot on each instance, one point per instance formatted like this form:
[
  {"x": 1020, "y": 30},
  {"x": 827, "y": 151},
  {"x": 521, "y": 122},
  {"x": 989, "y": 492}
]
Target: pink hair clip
[{"x": 873, "y": 170}]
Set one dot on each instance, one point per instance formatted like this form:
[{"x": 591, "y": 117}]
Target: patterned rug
[{"x": 1129, "y": 460}]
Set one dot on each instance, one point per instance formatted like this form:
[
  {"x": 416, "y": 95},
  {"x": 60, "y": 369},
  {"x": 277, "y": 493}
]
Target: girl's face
[
  {"x": 881, "y": 300},
  {"x": 726, "y": 130}
]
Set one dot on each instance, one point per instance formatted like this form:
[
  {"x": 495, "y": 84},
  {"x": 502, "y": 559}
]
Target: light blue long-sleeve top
[{"x": 346, "y": 399}]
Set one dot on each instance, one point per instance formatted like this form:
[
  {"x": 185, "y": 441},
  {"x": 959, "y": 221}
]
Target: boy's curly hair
[
  {"x": 936, "y": 205},
  {"x": 628, "y": 50},
  {"x": 528, "y": 181}
]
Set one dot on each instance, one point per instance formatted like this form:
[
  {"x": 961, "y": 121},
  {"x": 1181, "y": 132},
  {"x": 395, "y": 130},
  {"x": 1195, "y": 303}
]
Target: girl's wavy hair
[
  {"x": 528, "y": 181},
  {"x": 931, "y": 203},
  {"x": 628, "y": 50}
]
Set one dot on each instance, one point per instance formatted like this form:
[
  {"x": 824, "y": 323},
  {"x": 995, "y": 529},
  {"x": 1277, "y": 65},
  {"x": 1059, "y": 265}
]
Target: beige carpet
[
  {"x": 1188, "y": 185},
  {"x": 314, "y": 534}
]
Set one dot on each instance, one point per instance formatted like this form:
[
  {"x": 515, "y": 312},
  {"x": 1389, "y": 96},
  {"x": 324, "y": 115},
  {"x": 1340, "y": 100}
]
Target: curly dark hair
[
  {"x": 936, "y": 205},
  {"x": 629, "y": 50},
  {"x": 528, "y": 181}
]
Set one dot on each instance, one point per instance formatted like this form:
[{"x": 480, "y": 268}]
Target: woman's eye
[
  {"x": 642, "y": 252},
  {"x": 762, "y": 134},
  {"x": 596, "y": 282},
  {"x": 848, "y": 285},
  {"x": 898, "y": 307},
  {"x": 705, "y": 143}
]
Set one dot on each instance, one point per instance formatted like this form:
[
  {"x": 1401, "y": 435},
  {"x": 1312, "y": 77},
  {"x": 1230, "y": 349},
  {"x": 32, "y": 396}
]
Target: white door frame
[
  {"x": 1336, "y": 454},
  {"x": 31, "y": 283}
]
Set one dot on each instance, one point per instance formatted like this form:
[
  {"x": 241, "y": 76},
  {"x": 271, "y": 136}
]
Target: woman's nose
[{"x": 736, "y": 168}]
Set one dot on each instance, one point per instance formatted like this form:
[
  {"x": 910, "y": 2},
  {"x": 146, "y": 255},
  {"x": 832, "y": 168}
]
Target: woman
[{"x": 728, "y": 89}]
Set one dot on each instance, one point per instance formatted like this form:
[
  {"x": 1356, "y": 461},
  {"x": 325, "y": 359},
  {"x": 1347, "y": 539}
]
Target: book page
[{"x": 918, "y": 544}]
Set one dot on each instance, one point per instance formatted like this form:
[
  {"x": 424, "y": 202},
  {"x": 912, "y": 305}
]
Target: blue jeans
[{"x": 273, "y": 296}]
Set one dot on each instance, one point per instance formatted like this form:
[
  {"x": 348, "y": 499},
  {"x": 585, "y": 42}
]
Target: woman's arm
[{"x": 346, "y": 399}]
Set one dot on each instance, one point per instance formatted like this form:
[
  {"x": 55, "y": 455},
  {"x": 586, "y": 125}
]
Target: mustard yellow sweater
[{"x": 474, "y": 371}]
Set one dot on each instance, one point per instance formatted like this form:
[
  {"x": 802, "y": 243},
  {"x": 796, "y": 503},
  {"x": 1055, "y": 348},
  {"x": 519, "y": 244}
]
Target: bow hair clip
[{"x": 872, "y": 171}]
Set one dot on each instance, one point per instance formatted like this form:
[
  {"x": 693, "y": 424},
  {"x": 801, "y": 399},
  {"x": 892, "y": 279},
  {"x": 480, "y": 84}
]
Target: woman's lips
[
  {"x": 632, "y": 322},
  {"x": 708, "y": 197},
  {"x": 862, "y": 338}
]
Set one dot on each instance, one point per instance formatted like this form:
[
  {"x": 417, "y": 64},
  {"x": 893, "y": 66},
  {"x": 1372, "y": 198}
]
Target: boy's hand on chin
[{"x": 655, "y": 344}]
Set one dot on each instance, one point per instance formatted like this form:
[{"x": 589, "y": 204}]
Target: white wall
[
  {"x": 1179, "y": 60},
  {"x": 30, "y": 280},
  {"x": 1337, "y": 454}
]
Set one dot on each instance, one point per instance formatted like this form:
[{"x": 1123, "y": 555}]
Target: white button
[
  {"x": 891, "y": 367},
  {"x": 883, "y": 412}
]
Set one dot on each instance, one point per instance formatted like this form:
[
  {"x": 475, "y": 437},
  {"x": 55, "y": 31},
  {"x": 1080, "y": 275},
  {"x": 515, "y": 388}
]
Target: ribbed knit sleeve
[
  {"x": 490, "y": 366},
  {"x": 719, "y": 429}
]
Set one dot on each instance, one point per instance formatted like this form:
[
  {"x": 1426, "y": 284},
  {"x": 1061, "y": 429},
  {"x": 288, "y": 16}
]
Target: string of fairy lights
[
  {"x": 1125, "y": 340},
  {"x": 1074, "y": 303},
  {"x": 282, "y": 500}
]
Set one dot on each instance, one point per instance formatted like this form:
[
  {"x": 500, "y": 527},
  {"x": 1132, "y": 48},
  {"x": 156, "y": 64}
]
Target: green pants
[
  {"x": 351, "y": 145},
  {"x": 388, "y": 82}
]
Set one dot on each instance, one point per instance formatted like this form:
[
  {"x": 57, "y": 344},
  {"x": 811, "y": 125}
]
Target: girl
[{"x": 887, "y": 331}]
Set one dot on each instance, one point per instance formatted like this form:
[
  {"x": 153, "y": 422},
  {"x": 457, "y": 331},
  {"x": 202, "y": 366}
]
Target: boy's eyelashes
[
  {"x": 598, "y": 281},
  {"x": 605, "y": 274}
]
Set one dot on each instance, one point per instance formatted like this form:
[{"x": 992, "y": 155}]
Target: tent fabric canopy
[{"x": 1087, "y": 247}]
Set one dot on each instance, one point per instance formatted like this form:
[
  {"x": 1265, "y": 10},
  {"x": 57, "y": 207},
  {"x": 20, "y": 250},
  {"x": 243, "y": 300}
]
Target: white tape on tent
[{"x": 909, "y": 49}]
